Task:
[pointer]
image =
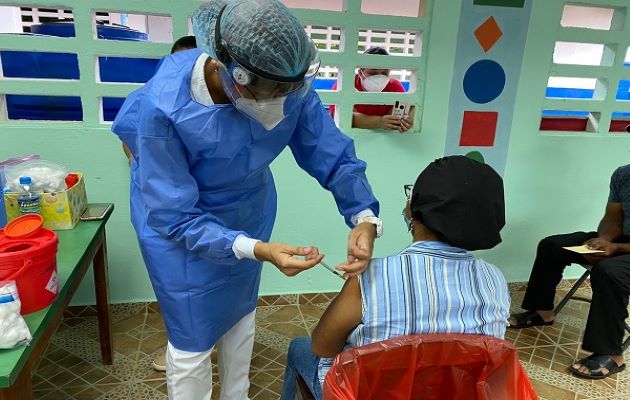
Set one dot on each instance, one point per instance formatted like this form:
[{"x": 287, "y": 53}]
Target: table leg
[
  {"x": 102, "y": 301},
  {"x": 22, "y": 388}
]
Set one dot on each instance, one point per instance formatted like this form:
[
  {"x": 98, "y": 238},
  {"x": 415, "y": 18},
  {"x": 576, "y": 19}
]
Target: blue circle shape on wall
[{"x": 484, "y": 81}]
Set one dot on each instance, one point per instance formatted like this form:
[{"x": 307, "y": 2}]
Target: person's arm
[
  {"x": 127, "y": 153},
  {"x": 342, "y": 315},
  {"x": 610, "y": 229},
  {"x": 328, "y": 155},
  {"x": 611, "y": 226},
  {"x": 170, "y": 195},
  {"x": 388, "y": 122}
]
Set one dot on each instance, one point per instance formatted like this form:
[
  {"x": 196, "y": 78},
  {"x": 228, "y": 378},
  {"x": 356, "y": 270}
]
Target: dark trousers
[{"x": 610, "y": 281}]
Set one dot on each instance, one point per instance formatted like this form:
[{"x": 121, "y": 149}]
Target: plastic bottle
[
  {"x": 28, "y": 202},
  {"x": 7, "y": 163}
]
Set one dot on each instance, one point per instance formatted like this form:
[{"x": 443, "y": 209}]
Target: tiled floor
[{"x": 71, "y": 368}]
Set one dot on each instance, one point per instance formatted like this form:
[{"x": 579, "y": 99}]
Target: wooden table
[{"x": 78, "y": 248}]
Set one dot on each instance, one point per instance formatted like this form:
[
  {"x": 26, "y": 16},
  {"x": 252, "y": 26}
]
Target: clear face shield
[{"x": 265, "y": 98}]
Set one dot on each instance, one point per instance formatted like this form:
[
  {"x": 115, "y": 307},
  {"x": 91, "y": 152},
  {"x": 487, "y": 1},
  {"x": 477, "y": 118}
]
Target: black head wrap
[{"x": 461, "y": 200}]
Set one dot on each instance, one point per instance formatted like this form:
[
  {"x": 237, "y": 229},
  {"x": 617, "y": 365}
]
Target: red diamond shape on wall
[{"x": 488, "y": 34}]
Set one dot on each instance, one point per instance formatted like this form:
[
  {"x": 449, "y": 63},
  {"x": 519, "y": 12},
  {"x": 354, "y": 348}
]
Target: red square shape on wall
[{"x": 479, "y": 128}]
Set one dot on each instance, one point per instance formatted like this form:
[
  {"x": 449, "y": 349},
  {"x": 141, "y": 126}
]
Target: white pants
[{"x": 189, "y": 374}]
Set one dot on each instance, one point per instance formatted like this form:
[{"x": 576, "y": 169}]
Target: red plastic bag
[{"x": 443, "y": 366}]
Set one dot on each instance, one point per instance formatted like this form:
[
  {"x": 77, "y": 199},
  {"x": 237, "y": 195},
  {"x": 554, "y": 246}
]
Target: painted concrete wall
[{"x": 554, "y": 183}]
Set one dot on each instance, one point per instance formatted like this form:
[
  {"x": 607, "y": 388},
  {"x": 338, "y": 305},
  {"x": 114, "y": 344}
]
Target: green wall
[{"x": 554, "y": 183}]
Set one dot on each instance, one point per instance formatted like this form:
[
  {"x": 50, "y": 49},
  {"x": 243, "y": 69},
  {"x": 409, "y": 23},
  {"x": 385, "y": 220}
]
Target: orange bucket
[{"x": 31, "y": 261}]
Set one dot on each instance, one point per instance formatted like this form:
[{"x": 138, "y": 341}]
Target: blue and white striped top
[{"x": 429, "y": 287}]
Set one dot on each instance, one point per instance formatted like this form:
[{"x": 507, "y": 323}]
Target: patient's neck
[{"x": 421, "y": 233}]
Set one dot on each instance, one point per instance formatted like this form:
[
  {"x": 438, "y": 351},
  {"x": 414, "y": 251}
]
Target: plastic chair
[
  {"x": 441, "y": 366},
  {"x": 571, "y": 296}
]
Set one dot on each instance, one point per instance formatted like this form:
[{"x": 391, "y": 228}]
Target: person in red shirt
[{"x": 375, "y": 116}]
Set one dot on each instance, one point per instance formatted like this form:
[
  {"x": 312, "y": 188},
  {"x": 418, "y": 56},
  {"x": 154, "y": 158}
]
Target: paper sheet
[{"x": 583, "y": 249}]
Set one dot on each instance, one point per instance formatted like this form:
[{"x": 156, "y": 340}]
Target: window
[
  {"x": 39, "y": 65},
  {"x": 327, "y": 5},
  {"x": 397, "y": 43},
  {"x": 44, "y": 108},
  {"x": 52, "y": 80},
  {"x": 580, "y": 16},
  {"x": 34, "y": 15},
  {"x": 105, "y": 60},
  {"x": 327, "y": 78},
  {"x": 326, "y": 38},
  {"x": 148, "y": 27},
  {"x": 401, "y": 8},
  {"x": 588, "y": 87},
  {"x": 578, "y": 53}
]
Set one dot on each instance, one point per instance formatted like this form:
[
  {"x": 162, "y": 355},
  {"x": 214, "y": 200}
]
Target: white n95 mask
[
  {"x": 269, "y": 112},
  {"x": 375, "y": 83}
]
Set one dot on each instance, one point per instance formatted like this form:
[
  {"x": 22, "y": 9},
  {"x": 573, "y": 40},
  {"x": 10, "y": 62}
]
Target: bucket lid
[{"x": 25, "y": 226}]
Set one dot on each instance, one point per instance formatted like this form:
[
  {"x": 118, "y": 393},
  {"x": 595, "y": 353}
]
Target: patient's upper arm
[{"x": 339, "y": 319}]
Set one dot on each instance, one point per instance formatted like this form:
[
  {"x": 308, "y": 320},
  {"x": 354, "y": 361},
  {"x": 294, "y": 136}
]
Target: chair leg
[
  {"x": 569, "y": 295},
  {"x": 626, "y": 343}
]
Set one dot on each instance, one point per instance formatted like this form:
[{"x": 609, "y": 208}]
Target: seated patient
[
  {"x": 435, "y": 285},
  {"x": 610, "y": 282}
]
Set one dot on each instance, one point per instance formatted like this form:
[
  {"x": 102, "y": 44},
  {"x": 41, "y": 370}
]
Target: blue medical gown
[{"x": 200, "y": 177}]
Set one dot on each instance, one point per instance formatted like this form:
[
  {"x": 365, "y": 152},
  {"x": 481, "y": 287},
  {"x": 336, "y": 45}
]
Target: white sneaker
[{"x": 159, "y": 364}]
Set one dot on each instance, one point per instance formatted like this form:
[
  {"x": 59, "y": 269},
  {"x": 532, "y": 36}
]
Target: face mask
[
  {"x": 375, "y": 83},
  {"x": 269, "y": 113},
  {"x": 407, "y": 220}
]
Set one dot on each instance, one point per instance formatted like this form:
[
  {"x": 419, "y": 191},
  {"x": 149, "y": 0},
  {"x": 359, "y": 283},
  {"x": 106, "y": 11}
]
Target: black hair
[
  {"x": 376, "y": 50},
  {"x": 183, "y": 43}
]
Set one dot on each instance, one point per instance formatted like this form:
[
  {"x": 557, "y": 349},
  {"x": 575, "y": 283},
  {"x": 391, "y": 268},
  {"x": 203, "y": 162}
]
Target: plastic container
[
  {"x": 27, "y": 226},
  {"x": 10, "y": 161},
  {"x": 31, "y": 262}
]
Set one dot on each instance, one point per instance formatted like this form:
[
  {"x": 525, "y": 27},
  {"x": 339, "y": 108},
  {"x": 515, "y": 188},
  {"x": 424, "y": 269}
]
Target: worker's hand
[
  {"x": 609, "y": 249},
  {"x": 360, "y": 247},
  {"x": 405, "y": 124},
  {"x": 287, "y": 258},
  {"x": 390, "y": 122}
]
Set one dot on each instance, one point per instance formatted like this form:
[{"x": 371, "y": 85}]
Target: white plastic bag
[
  {"x": 46, "y": 176},
  {"x": 13, "y": 329}
]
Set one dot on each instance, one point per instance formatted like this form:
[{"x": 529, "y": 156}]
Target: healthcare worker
[{"x": 202, "y": 133}]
